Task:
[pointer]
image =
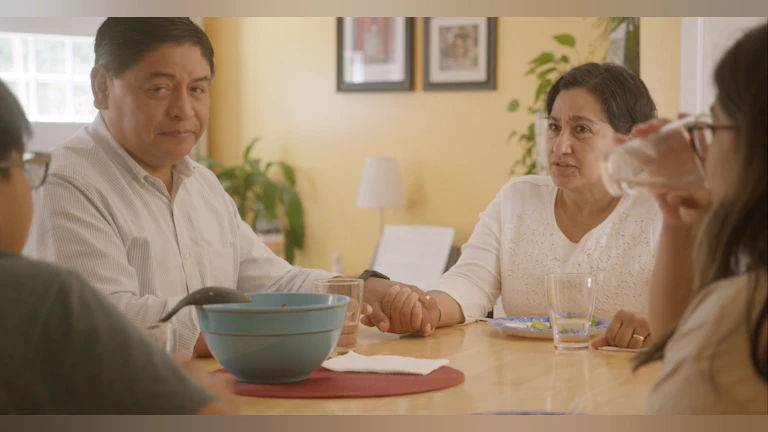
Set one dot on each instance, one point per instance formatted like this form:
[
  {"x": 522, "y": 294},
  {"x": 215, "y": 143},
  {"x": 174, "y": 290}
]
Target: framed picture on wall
[
  {"x": 374, "y": 54},
  {"x": 460, "y": 53}
]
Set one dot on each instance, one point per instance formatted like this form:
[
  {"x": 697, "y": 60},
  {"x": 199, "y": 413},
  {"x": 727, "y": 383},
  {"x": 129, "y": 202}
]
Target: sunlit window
[{"x": 50, "y": 75}]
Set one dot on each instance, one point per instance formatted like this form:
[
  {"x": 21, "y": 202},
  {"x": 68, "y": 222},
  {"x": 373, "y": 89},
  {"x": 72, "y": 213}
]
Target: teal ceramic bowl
[{"x": 277, "y": 338}]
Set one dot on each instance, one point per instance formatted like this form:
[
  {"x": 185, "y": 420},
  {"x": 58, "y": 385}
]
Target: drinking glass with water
[
  {"x": 669, "y": 160},
  {"x": 571, "y": 305},
  {"x": 352, "y": 288}
]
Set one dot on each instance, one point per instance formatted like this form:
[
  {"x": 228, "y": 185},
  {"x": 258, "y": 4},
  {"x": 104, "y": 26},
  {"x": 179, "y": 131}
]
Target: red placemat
[{"x": 326, "y": 384}]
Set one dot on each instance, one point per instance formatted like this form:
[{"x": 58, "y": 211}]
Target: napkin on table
[{"x": 386, "y": 364}]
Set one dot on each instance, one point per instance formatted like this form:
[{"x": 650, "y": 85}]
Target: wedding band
[
  {"x": 638, "y": 337},
  {"x": 428, "y": 297}
]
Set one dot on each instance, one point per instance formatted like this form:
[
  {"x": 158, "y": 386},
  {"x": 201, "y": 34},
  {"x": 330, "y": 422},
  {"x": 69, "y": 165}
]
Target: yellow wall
[
  {"x": 660, "y": 62},
  {"x": 276, "y": 78}
]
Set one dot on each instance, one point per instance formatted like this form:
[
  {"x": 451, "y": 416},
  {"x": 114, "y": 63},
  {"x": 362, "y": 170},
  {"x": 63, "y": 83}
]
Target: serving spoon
[{"x": 205, "y": 296}]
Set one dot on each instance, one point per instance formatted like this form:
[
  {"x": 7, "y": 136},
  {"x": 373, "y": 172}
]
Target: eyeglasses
[
  {"x": 35, "y": 167},
  {"x": 702, "y": 132}
]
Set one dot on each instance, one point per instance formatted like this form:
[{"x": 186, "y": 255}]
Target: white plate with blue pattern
[{"x": 520, "y": 326}]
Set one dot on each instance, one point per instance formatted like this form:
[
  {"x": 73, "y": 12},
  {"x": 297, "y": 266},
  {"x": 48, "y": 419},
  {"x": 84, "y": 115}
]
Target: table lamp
[{"x": 380, "y": 186}]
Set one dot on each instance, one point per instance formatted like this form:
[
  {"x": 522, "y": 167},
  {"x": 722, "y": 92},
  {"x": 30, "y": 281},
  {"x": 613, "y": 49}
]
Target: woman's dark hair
[
  {"x": 734, "y": 238},
  {"x": 14, "y": 126},
  {"x": 624, "y": 97},
  {"x": 121, "y": 43}
]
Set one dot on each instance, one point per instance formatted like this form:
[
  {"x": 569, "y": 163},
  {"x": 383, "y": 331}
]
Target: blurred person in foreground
[
  {"x": 709, "y": 290},
  {"x": 66, "y": 349}
]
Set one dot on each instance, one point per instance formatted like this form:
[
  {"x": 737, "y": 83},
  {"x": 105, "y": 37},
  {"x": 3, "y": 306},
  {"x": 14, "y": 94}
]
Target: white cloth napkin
[{"x": 353, "y": 362}]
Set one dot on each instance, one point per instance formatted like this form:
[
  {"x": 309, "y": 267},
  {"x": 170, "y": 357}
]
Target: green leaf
[
  {"x": 511, "y": 135},
  {"x": 288, "y": 174},
  {"x": 249, "y": 147},
  {"x": 242, "y": 187},
  {"x": 254, "y": 165},
  {"x": 565, "y": 59},
  {"x": 542, "y": 59},
  {"x": 268, "y": 196},
  {"x": 566, "y": 40},
  {"x": 545, "y": 73},
  {"x": 294, "y": 213},
  {"x": 514, "y": 104},
  {"x": 542, "y": 89}
]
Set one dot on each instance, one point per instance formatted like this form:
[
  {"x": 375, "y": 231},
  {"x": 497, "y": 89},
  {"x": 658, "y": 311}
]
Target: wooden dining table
[{"x": 502, "y": 373}]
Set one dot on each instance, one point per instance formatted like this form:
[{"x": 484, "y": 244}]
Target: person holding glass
[
  {"x": 709, "y": 288},
  {"x": 567, "y": 222}
]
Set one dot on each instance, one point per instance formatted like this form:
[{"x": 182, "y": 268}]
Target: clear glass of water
[
  {"x": 161, "y": 334},
  {"x": 668, "y": 160},
  {"x": 571, "y": 299},
  {"x": 352, "y": 288}
]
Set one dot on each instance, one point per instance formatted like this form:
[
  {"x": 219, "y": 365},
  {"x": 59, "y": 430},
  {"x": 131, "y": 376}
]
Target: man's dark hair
[
  {"x": 121, "y": 43},
  {"x": 14, "y": 126},
  {"x": 624, "y": 97}
]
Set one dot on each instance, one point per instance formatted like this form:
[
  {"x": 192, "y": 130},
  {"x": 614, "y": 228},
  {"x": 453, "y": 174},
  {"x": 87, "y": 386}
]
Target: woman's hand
[
  {"x": 682, "y": 209},
  {"x": 626, "y": 330},
  {"x": 399, "y": 308}
]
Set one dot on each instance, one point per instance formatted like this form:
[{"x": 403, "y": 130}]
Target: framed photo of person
[
  {"x": 460, "y": 53},
  {"x": 374, "y": 54}
]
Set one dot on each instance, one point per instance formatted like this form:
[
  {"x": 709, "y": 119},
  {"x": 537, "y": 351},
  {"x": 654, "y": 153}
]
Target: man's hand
[{"x": 399, "y": 308}]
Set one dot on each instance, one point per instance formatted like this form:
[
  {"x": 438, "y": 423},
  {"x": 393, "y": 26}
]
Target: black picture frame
[
  {"x": 490, "y": 63},
  {"x": 406, "y": 84}
]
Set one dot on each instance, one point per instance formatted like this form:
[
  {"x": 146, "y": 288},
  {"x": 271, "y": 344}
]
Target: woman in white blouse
[{"x": 563, "y": 223}]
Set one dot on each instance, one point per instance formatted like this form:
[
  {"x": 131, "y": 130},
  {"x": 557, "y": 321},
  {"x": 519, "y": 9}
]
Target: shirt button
[{"x": 188, "y": 256}]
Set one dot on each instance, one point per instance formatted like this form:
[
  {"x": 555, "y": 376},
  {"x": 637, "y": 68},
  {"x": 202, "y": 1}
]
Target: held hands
[
  {"x": 626, "y": 330},
  {"x": 682, "y": 209},
  {"x": 399, "y": 308}
]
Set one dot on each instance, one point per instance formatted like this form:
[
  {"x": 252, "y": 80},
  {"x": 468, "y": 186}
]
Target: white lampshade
[{"x": 380, "y": 184}]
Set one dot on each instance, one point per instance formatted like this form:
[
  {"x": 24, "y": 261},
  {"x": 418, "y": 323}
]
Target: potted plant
[
  {"x": 547, "y": 67},
  {"x": 624, "y": 36},
  {"x": 268, "y": 203}
]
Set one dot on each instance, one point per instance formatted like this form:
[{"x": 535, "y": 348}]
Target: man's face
[{"x": 158, "y": 109}]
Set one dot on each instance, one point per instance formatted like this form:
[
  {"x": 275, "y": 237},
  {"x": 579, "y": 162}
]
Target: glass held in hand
[{"x": 668, "y": 160}]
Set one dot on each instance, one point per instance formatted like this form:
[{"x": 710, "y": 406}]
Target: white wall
[{"x": 703, "y": 40}]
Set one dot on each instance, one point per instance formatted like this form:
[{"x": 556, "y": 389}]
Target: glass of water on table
[
  {"x": 352, "y": 288},
  {"x": 571, "y": 299}
]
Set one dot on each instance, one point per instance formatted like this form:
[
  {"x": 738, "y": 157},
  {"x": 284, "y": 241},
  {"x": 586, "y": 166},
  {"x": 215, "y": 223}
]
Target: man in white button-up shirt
[{"x": 128, "y": 209}]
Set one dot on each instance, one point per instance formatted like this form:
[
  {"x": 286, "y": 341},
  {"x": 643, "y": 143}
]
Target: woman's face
[
  {"x": 577, "y": 137},
  {"x": 16, "y": 209},
  {"x": 721, "y": 162}
]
